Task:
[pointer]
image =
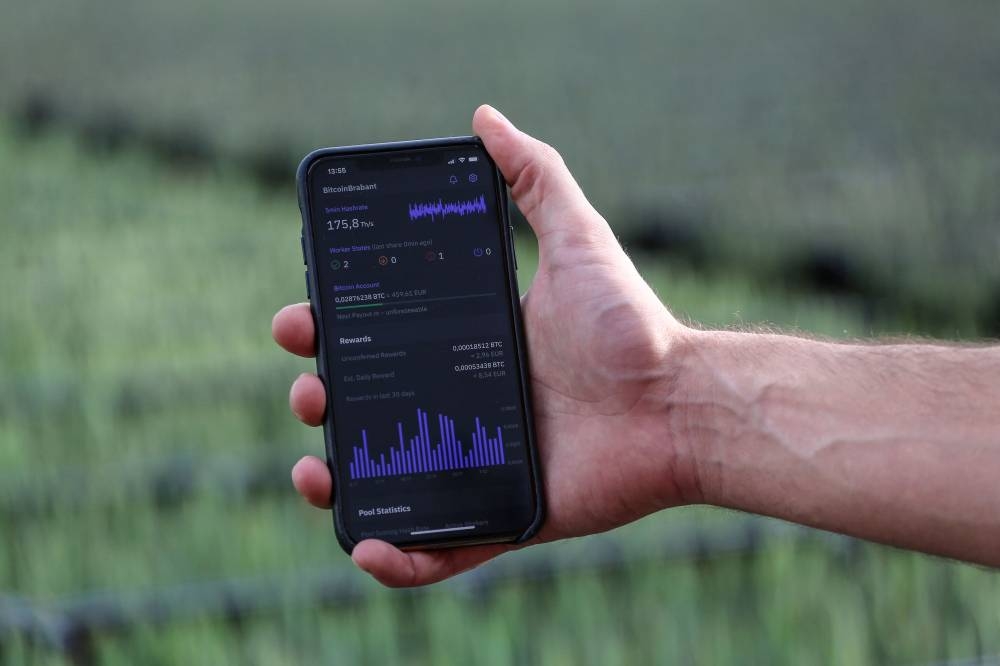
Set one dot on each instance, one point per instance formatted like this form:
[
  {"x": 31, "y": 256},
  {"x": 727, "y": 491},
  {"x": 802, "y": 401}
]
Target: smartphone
[{"x": 411, "y": 275}]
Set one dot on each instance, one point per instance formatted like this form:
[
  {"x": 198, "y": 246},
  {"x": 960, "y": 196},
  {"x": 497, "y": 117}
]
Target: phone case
[{"x": 510, "y": 263}]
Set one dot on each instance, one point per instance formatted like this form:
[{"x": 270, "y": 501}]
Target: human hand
[{"x": 600, "y": 348}]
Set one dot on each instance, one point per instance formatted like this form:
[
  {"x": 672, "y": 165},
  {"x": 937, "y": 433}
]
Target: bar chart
[{"x": 419, "y": 453}]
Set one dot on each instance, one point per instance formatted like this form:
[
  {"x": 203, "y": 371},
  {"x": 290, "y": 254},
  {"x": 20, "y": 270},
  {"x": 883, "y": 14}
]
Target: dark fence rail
[
  {"x": 71, "y": 625},
  {"x": 165, "y": 483}
]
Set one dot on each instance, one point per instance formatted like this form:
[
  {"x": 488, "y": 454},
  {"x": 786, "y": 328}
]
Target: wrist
[
  {"x": 703, "y": 409},
  {"x": 686, "y": 421},
  {"x": 743, "y": 405}
]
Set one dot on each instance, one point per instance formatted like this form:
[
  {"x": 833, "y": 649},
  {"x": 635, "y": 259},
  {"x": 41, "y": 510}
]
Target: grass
[
  {"x": 134, "y": 319},
  {"x": 772, "y": 127}
]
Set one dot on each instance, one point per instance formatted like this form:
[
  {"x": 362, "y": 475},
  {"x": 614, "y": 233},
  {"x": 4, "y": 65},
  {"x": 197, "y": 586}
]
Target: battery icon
[{"x": 473, "y": 159}]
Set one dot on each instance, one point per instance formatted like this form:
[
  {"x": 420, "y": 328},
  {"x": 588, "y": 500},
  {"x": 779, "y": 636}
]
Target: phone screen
[{"x": 428, "y": 416}]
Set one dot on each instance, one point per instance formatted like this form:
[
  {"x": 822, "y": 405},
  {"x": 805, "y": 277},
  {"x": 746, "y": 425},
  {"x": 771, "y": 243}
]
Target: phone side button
[
  {"x": 308, "y": 290},
  {"x": 302, "y": 244},
  {"x": 513, "y": 250}
]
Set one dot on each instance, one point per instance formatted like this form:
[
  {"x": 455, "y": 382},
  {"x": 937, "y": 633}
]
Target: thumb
[{"x": 540, "y": 184}]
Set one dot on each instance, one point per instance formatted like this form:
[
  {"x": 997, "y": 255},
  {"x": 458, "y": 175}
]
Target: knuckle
[
  {"x": 536, "y": 177},
  {"x": 549, "y": 155}
]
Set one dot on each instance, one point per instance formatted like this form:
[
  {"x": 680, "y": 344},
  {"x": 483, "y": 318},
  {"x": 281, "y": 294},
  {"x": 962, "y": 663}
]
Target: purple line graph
[
  {"x": 417, "y": 454},
  {"x": 442, "y": 208}
]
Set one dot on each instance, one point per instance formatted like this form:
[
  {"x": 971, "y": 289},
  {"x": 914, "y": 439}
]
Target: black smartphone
[{"x": 411, "y": 277}]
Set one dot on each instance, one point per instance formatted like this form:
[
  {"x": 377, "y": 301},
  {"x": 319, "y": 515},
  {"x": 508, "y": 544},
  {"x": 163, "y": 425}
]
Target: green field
[
  {"x": 769, "y": 127},
  {"x": 135, "y": 321},
  {"x": 149, "y": 232}
]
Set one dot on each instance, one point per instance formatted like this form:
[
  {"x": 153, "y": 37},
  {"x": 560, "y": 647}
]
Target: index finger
[{"x": 294, "y": 329}]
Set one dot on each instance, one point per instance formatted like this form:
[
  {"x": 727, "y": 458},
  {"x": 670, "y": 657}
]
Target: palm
[{"x": 596, "y": 338}]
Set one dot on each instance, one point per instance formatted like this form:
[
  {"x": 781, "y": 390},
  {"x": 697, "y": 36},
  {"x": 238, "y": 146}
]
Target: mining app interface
[{"x": 428, "y": 419}]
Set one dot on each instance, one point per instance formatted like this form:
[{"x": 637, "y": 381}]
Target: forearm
[{"x": 894, "y": 443}]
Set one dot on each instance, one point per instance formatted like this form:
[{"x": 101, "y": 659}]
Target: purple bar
[
  {"x": 395, "y": 465},
  {"x": 453, "y": 452},
  {"x": 427, "y": 441},
  {"x": 367, "y": 460},
  {"x": 351, "y": 467},
  {"x": 381, "y": 466},
  {"x": 440, "y": 446},
  {"x": 475, "y": 448},
  {"x": 452, "y": 449},
  {"x": 482, "y": 441},
  {"x": 420, "y": 441},
  {"x": 500, "y": 446},
  {"x": 402, "y": 449},
  {"x": 450, "y": 445},
  {"x": 446, "y": 444},
  {"x": 415, "y": 444},
  {"x": 424, "y": 467},
  {"x": 456, "y": 449}
]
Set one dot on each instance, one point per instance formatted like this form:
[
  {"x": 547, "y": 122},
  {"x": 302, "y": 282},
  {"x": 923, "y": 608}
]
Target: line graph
[{"x": 442, "y": 208}]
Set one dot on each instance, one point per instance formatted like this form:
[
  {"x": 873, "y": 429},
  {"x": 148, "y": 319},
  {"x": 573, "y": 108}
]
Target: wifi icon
[{"x": 461, "y": 159}]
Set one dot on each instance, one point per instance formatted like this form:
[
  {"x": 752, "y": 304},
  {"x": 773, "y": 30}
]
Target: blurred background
[{"x": 824, "y": 167}]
